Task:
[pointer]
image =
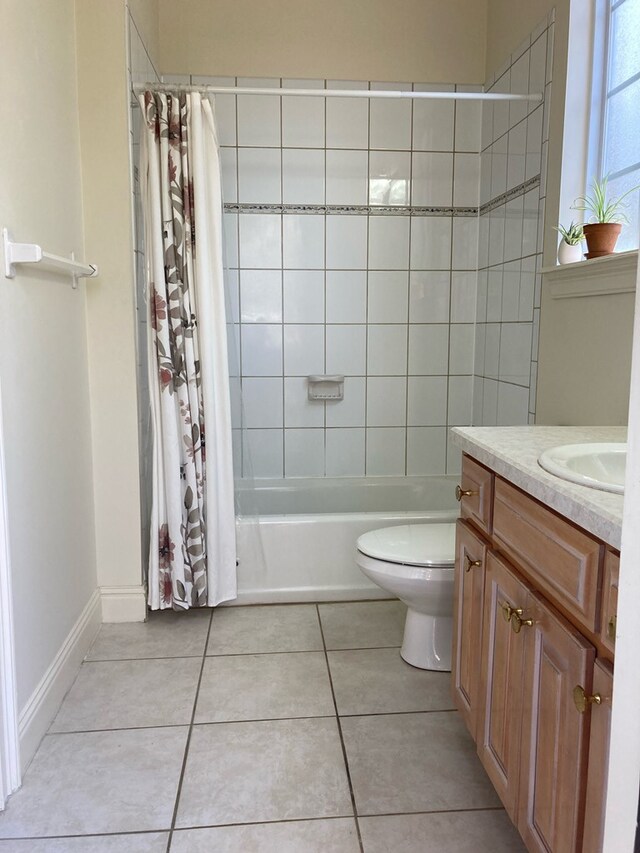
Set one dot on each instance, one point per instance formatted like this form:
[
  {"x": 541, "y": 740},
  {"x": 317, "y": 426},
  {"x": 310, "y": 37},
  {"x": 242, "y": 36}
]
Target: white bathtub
[{"x": 296, "y": 538}]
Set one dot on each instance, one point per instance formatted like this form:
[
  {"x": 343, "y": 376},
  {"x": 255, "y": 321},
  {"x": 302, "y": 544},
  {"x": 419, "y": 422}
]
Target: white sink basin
[{"x": 599, "y": 466}]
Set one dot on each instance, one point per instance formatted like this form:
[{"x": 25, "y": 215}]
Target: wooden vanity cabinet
[
  {"x": 609, "y": 600},
  {"x": 532, "y": 741},
  {"x": 600, "y": 718},
  {"x": 501, "y": 684},
  {"x": 475, "y": 494},
  {"x": 562, "y": 561},
  {"x": 471, "y": 553},
  {"x": 555, "y": 736},
  {"x": 539, "y": 597}
]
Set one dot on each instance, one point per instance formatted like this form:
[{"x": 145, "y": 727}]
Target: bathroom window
[{"x": 614, "y": 147}]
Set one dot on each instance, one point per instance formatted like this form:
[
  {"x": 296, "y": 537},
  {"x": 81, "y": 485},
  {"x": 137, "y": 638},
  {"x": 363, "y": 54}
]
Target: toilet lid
[{"x": 412, "y": 544}]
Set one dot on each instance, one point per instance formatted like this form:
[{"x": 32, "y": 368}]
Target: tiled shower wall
[
  {"x": 352, "y": 249},
  {"x": 512, "y": 201}
]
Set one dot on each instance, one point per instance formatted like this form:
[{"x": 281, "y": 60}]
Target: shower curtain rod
[{"x": 337, "y": 93}]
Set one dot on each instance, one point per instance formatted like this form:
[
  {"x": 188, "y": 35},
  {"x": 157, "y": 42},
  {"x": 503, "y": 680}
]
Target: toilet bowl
[{"x": 415, "y": 563}]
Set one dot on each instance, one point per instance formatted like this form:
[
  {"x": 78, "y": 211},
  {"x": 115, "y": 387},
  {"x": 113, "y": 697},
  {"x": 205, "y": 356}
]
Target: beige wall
[
  {"x": 104, "y": 133},
  {"x": 146, "y": 16},
  {"x": 585, "y": 360},
  {"x": 402, "y": 40},
  {"x": 43, "y": 343},
  {"x": 511, "y": 21}
]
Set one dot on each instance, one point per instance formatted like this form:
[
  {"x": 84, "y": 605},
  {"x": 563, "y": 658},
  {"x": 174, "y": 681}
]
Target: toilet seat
[{"x": 426, "y": 546}]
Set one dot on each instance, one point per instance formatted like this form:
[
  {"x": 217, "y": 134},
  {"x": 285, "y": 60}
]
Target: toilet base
[{"x": 427, "y": 641}]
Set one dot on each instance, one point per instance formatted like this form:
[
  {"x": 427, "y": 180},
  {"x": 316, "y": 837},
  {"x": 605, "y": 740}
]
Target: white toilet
[{"x": 415, "y": 563}]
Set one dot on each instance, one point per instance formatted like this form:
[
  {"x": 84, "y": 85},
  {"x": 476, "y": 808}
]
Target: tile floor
[{"x": 275, "y": 729}]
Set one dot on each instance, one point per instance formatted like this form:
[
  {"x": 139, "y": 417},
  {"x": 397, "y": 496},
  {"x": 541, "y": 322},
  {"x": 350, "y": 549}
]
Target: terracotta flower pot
[{"x": 601, "y": 238}]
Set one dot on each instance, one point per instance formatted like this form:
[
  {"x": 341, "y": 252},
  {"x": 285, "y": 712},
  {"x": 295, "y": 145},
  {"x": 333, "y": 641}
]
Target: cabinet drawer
[
  {"x": 478, "y": 482},
  {"x": 563, "y": 560},
  {"x": 609, "y": 600}
]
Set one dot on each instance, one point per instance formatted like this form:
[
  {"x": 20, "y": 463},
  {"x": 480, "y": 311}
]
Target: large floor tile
[
  {"x": 363, "y": 624},
  {"x": 309, "y": 836},
  {"x": 128, "y": 694},
  {"x": 275, "y": 628},
  {"x": 458, "y": 832},
  {"x": 152, "y": 842},
  {"x": 165, "y": 634},
  {"x": 264, "y": 687},
  {"x": 95, "y": 782},
  {"x": 414, "y": 763},
  {"x": 275, "y": 770},
  {"x": 378, "y": 681}
]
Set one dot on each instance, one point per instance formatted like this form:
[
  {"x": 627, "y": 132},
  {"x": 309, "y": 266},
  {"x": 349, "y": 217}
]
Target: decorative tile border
[
  {"x": 379, "y": 210},
  {"x": 350, "y": 210},
  {"x": 514, "y": 192}
]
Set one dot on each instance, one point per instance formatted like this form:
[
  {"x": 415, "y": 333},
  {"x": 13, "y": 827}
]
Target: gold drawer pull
[
  {"x": 517, "y": 622},
  {"x": 469, "y": 563},
  {"x": 582, "y": 701},
  {"x": 464, "y": 493},
  {"x": 508, "y": 612},
  {"x": 611, "y": 628}
]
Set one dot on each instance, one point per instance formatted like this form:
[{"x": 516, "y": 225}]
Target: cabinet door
[
  {"x": 501, "y": 680},
  {"x": 467, "y": 622},
  {"x": 554, "y": 734},
  {"x": 600, "y": 714}
]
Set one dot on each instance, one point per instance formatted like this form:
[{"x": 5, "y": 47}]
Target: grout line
[
  {"x": 282, "y": 277},
  {"x": 324, "y": 280},
  {"x": 366, "y": 308},
  {"x": 160, "y": 657},
  {"x": 248, "y": 823},
  {"x": 243, "y": 463},
  {"x": 342, "y": 744},
  {"x": 282, "y": 271},
  {"x": 252, "y": 720},
  {"x": 408, "y": 326},
  {"x": 188, "y": 742}
]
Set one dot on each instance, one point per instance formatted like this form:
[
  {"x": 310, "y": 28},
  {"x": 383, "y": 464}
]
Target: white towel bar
[{"x": 32, "y": 253}]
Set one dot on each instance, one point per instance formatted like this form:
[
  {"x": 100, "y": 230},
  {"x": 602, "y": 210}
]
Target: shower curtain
[{"x": 192, "y": 554}]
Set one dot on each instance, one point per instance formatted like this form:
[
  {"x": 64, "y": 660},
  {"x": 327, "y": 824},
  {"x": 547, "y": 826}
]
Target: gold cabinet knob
[
  {"x": 611, "y": 628},
  {"x": 582, "y": 701},
  {"x": 469, "y": 563},
  {"x": 464, "y": 493},
  {"x": 518, "y": 623}
]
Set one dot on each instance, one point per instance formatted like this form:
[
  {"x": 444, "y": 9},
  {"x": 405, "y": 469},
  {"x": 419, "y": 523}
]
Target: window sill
[{"x": 598, "y": 277}]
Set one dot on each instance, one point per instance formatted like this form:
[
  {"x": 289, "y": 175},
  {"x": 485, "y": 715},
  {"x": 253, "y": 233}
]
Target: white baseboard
[
  {"x": 42, "y": 706},
  {"x": 124, "y": 603}
]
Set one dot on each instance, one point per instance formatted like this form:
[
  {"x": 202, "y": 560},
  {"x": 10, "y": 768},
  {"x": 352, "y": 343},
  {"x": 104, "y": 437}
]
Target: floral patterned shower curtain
[{"x": 192, "y": 559}]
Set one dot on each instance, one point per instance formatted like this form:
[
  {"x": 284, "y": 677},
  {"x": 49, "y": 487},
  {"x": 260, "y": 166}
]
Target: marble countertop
[{"x": 512, "y": 452}]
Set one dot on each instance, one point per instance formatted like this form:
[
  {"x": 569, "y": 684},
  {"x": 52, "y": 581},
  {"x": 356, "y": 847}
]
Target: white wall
[
  {"x": 43, "y": 342},
  {"x": 103, "y": 95}
]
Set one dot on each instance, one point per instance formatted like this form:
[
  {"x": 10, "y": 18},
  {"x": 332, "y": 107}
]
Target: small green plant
[
  {"x": 603, "y": 209},
  {"x": 571, "y": 235}
]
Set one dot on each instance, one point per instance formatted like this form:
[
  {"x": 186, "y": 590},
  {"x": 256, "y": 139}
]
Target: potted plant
[
  {"x": 570, "y": 250},
  {"x": 607, "y": 217}
]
